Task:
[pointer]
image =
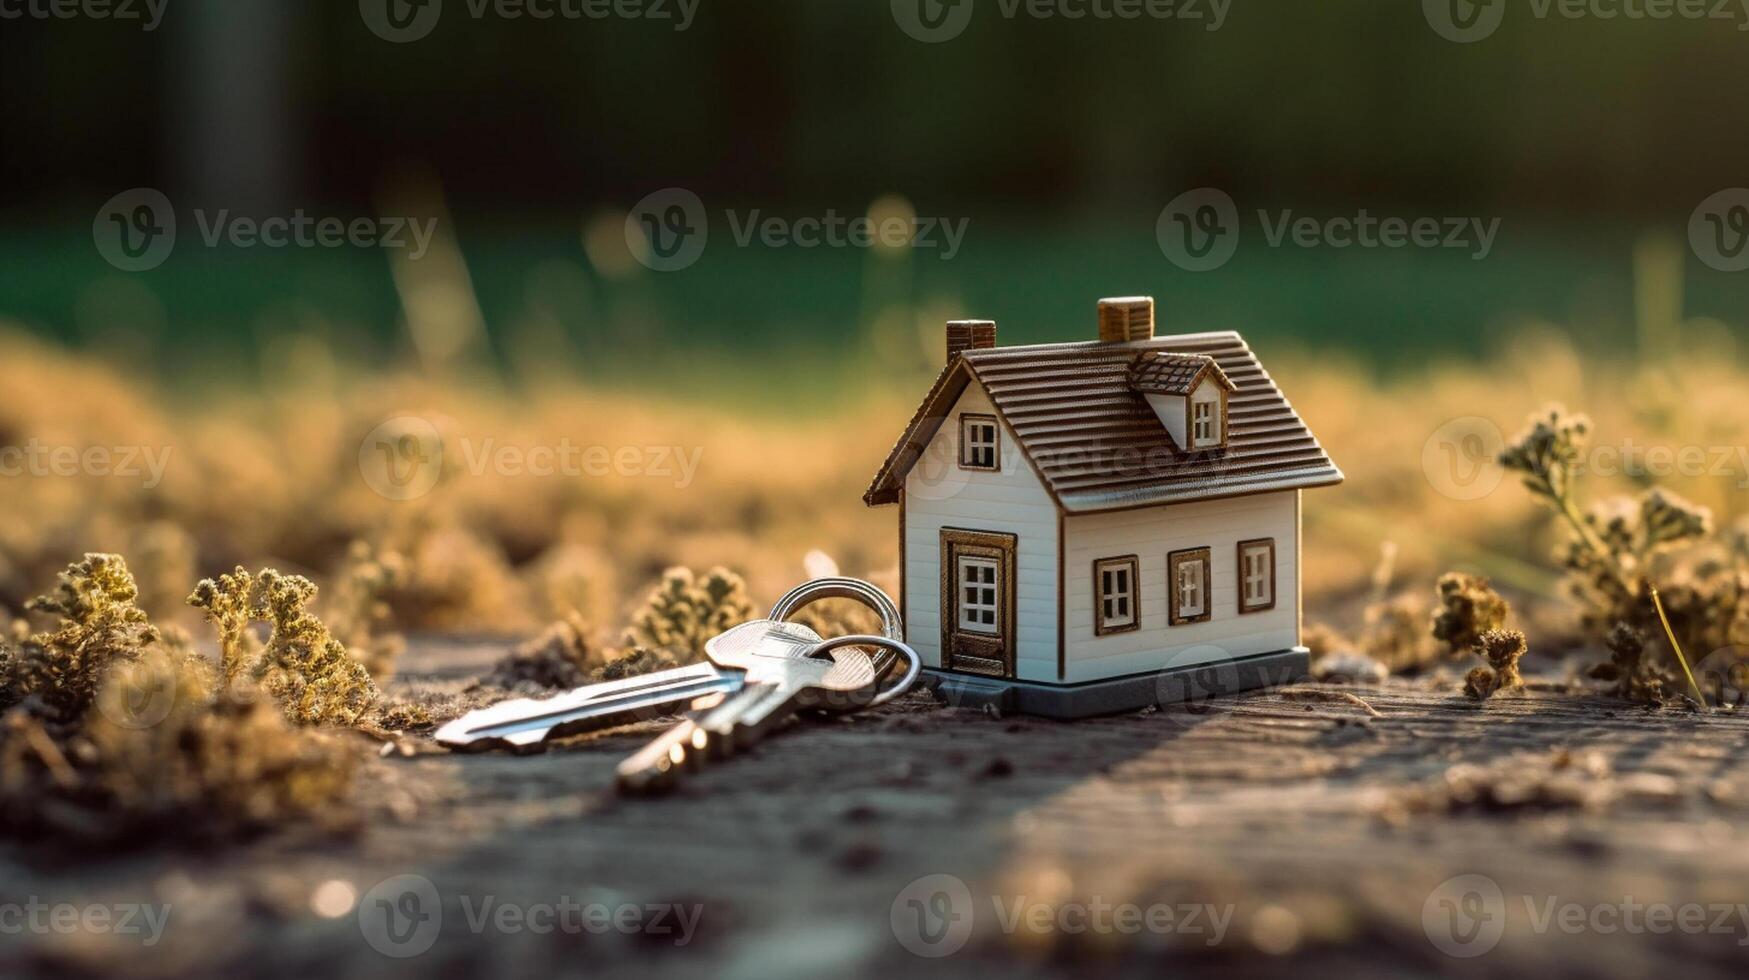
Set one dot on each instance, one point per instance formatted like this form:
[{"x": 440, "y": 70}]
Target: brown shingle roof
[
  {"x": 1164, "y": 373},
  {"x": 1097, "y": 444}
]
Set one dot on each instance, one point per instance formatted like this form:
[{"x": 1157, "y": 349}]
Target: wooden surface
[{"x": 1316, "y": 824}]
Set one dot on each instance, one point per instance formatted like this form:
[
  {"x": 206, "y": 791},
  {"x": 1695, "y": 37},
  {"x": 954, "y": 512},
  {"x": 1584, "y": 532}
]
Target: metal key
[
  {"x": 526, "y": 724},
  {"x": 832, "y": 675}
]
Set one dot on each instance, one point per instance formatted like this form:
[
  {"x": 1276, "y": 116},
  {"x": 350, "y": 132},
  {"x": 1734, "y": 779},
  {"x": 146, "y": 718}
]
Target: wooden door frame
[{"x": 978, "y": 653}]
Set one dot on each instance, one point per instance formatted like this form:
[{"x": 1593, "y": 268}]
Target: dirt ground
[{"x": 1367, "y": 831}]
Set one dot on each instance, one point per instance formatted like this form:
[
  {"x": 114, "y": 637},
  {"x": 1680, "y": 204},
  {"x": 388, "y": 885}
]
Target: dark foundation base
[{"x": 1120, "y": 694}]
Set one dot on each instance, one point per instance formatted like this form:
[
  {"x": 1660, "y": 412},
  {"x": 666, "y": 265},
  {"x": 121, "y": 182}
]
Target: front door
[{"x": 977, "y": 602}]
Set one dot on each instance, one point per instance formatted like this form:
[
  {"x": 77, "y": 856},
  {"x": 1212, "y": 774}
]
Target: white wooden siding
[
  {"x": 938, "y": 494},
  {"x": 1153, "y": 533}
]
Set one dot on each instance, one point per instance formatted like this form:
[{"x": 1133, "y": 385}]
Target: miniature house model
[{"x": 1096, "y": 527}]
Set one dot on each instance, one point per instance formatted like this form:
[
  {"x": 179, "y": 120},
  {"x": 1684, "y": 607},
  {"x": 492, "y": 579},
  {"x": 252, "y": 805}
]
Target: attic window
[
  {"x": 979, "y": 442},
  {"x": 1203, "y": 429}
]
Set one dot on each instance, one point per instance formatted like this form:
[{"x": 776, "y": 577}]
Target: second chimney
[
  {"x": 1127, "y": 319},
  {"x": 965, "y": 335}
]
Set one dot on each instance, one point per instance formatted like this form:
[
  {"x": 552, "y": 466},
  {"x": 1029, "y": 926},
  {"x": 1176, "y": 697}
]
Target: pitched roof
[
  {"x": 1164, "y": 373},
  {"x": 1096, "y": 443}
]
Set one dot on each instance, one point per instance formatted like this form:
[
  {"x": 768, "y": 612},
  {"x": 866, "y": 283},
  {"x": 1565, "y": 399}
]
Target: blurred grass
[{"x": 266, "y": 440}]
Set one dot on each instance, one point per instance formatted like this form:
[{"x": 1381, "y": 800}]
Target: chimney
[
  {"x": 965, "y": 335},
  {"x": 1127, "y": 319}
]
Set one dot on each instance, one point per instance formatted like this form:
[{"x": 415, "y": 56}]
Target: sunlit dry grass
[{"x": 273, "y": 477}]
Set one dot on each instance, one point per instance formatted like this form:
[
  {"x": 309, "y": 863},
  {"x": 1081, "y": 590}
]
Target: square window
[
  {"x": 980, "y": 442},
  {"x": 1115, "y": 586}
]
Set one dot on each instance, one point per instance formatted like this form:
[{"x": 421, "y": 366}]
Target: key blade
[{"x": 526, "y": 723}]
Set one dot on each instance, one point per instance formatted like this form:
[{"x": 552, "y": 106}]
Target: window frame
[
  {"x": 967, "y": 421},
  {"x": 1174, "y": 562},
  {"x": 1198, "y": 422},
  {"x": 1132, "y": 565},
  {"x": 994, "y": 587},
  {"x": 1217, "y": 419},
  {"x": 1245, "y": 603}
]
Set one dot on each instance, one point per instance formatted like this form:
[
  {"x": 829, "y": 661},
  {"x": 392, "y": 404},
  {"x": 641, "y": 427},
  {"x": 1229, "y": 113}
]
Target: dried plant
[
  {"x": 358, "y": 612},
  {"x": 684, "y": 611},
  {"x": 57, "y": 673},
  {"x": 303, "y": 667},
  {"x": 561, "y": 657},
  {"x": 127, "y": 737},
  {"x": 211, "y": 768},
  {"x": 1618, "y": 549},
  {"x": 1468, "y": 608},
  {"x": 1502, "y": 650}
]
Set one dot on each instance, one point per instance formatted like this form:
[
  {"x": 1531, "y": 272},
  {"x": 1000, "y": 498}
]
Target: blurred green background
[{"x": 1060, "y": 141}]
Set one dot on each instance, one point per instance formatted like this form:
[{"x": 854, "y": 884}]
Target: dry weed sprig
[
  {"x": 100, "y": 624},
  {"x": 684, "y": 611},
  {"x": 358, "y": 611},
  {"x": 1617, "y": 547},
  {"x": 1468, "y": 608},
  {"x": 311, "y": 674},
  {"x": 1502, "y": 650},
  {"x": 160, "y": 750}
]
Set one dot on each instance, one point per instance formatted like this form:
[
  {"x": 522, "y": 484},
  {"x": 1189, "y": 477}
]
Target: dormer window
[
  {"x": 1188, "y": 392},
  {"x": 1203, "y": 433},
  {"x": 980, "y": 442}
]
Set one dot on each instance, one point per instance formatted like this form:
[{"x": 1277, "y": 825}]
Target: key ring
[{"x": 892, "y": 625}]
